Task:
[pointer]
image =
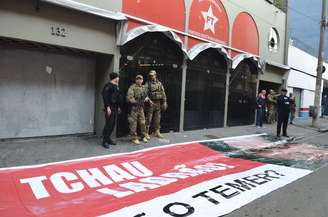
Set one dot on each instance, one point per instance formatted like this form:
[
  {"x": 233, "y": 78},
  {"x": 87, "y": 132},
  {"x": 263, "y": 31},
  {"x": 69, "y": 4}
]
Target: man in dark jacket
[
  {"x": 283, "y": 110},
  {"x": 112, "y": 101},
  {"x": 324, "y": 105},
  {"x": 260, "y": 108}
]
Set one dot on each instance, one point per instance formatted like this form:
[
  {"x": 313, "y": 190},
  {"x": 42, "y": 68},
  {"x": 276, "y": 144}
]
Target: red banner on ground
[{"x": 176, "y": 180}]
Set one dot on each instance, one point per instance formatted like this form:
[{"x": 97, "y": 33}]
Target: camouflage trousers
[
  {"x": 153, "y": 114},
  {"x": 271, "y": 116},
  {"x": 136, "y": 118},
  {"x": 292, "y": 115}
]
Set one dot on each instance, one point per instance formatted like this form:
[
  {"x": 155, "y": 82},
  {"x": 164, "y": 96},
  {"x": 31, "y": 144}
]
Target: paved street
[
  {"x": 307, "y": 197},
  {"x": 67, "y": 67},
  {"x": 53, "y": 149}
]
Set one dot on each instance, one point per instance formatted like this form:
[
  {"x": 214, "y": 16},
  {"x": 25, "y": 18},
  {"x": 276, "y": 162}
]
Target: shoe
[
  {"x": 285, "y": 135},
  {"x": 135, "y": 141},
  {"x": 147, "y": 136},
  {"x": 158, "y": 134},
  {"x": 112, "y": 142},
  {"x": 106, "y": 145},
  {"x": 145, "y": 140}
]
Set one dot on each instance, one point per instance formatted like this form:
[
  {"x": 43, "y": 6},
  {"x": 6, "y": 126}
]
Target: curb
[{"x": 323, "y": 130}]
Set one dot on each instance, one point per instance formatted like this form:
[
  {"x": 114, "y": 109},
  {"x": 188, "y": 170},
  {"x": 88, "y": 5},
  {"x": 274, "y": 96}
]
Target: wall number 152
[{"x": 58, "y": 31}]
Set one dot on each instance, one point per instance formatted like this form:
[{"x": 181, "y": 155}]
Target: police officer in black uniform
[
  {"x": 112, "y": 101},
  {"x": 283, "y": 109}
]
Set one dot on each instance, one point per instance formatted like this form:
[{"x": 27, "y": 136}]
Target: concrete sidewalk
[{"x": 52, "y": 149}]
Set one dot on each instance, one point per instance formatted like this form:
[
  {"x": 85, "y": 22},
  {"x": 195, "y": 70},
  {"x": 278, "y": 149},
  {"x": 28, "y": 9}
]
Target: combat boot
[
  {"x": 147, "y": 133},
  {"x": 135, "y": 141},
  {"x": 158, "y": 134},
  {"x": 147, "y": 136},
  {"x": 145, "y": 140}
]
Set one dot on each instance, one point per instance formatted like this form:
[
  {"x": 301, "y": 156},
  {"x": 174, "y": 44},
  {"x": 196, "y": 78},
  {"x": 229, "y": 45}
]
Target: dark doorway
[
  {"x": 242, "y": 95},
  {"x": 205, "y": 91},
  {"x": 266, "y": 85},
  {"x": 158, "y": 52}
]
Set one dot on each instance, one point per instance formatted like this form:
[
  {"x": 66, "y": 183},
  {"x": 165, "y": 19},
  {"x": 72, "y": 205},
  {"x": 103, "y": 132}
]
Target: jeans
[{"x": 259, "y": 117}]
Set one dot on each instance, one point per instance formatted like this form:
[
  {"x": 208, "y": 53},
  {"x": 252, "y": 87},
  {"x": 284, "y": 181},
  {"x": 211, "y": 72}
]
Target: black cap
[{"x": 113, "y": 75}]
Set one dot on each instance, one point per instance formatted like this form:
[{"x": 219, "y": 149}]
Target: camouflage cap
[{"x": 139, "y": 77}]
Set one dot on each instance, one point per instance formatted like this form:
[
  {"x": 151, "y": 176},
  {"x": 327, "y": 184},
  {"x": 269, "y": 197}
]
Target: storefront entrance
[
  {"x": 205, "y": 91},
  {"x": 153, "y": 51},
  {"x": 266, "y": 85},
  {"x": 242, "y": 94}
]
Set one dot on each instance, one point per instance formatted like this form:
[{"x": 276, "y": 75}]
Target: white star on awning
[{"x": 210, "y": 20}]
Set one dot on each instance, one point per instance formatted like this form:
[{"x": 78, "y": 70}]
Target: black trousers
[
  {"x": 109, "y": 126},
  {"x": 282, "y": 120}
]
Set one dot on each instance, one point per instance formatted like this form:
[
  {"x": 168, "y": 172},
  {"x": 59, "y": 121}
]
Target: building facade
[
  {"x": 301, "y": 80},
  {"x": 212, "y": 57},
  {"x": 304, "y": 32}
]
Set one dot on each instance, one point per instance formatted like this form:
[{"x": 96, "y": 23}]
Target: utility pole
[{"x": 318, "y": 85}]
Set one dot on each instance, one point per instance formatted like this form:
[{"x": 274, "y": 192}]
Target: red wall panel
[
  {"x": 245, "y": 34},
  {"x": 170, "y": 13},
  {"x": 209, "y": 20}
]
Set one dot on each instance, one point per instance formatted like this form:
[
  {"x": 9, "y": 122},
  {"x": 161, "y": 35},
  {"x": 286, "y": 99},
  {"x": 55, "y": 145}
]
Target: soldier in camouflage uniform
[
  {"x": 157, "y": 96},
  {"x": 271, "y": 105},
  {"x": 136, "y": 97},
  {"x": 292, "y": 103}
]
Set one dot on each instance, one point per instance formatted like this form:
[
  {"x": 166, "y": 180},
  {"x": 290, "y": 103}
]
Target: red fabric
[{"x": 17, "y": 199}]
